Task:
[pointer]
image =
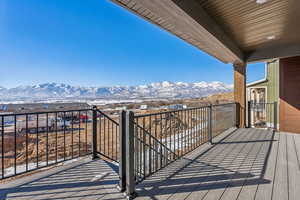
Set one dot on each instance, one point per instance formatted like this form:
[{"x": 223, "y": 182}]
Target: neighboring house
[
  {"x": 266, "y": 90},
  {"x": 281, "y": 85}
]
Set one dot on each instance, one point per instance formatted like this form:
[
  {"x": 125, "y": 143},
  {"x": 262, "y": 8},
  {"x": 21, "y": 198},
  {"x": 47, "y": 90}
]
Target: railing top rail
[
  {"x": 224, "y": 104},
  {"x": 180, "y": 110},
  {"x": 45, "y": 112},
  {"x": 261, "y": 102}
]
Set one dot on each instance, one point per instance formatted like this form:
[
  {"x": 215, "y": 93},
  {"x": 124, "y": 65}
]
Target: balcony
[{"x": 194, "y": 153}]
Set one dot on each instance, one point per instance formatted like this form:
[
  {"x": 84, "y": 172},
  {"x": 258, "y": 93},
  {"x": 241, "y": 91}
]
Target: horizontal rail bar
[
  {"x": 43, "y": 112},
  {"x": 186, "y": 109}
]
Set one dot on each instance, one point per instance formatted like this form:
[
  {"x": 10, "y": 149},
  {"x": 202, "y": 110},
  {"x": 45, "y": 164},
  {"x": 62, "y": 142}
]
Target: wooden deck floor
[
  {"x": 246, "y": 164},
  {"x": 73, "y": 181}
]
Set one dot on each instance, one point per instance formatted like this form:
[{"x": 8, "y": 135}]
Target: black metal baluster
[
  {"x": 64, "y": 135},
  {"x": 37, "y": 140},
  {"x": 2, "y": 144},
  {"x": 150, "y": 160},
  {"x": 144, "y": 147},
  {"x": 116, "y": 142},
  {"x": 156, "y": 145},
  {"x": 100, "y": 134},
  {"x": 109, "y": 136},
  {"x": 56, "y": 137},
  {"x": 47, "y": 139},
  {"x": 166, "y": 137},
  {"x": 26, "y": 129},
  {"x": 104, "y": 141},
  {"x": 72, "y": 134},
  {"x": 86, "y": 127},
  {"x": 79, "y": 135}
]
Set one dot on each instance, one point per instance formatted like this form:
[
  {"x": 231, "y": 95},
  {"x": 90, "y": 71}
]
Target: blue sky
[{"x": 96, "y": 43}]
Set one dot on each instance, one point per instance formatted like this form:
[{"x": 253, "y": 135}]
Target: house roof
[
  {"x": 231, "y": 30},
  {"x": 257, "y": 82}
]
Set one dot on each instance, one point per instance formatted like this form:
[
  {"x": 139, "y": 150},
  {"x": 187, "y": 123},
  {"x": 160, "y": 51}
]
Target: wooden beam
[
  {"x": 190, "y": 22},
  {"x": 240, "y": 91}
]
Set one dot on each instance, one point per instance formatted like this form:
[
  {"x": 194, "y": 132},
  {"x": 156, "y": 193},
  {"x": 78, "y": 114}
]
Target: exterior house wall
[{"x": 290, "y": 94}]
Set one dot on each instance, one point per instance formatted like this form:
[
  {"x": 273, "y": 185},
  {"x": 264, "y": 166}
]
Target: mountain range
[{"x": 163, "y": 89}]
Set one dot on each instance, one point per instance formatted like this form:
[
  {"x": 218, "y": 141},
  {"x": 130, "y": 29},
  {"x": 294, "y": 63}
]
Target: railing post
[
  {"x": 235, "y": 114},
  {"x": 249, "y": 114},
  {"x": 94, "y": 145},
  {"x": 130, "y": 179},
  {"x": 275, "y": 115},
  {"x": 210, "y": 123},
  {"x": 122, "y": 143}
]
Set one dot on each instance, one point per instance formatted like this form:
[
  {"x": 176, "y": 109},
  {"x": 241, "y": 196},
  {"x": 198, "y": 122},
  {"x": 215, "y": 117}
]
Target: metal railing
[
  {"x": 155, "y": 140},
  {"x": 262, "y": 115},
  {"x": 30, "y": 141},
  {"x": 107, "y": 136},
  {"x": 141, "y": 144},
  {"x": 223, "y": 117}
]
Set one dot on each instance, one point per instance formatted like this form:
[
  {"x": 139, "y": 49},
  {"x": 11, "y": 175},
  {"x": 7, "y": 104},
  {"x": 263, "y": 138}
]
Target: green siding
[{"x": 273, "y": 81}]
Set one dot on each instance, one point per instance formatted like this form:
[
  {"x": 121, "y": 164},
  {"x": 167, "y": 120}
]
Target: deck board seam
[
  {"x": 237, "y": 153},
  {"x": 214, "y": 159},
  {"x": 287, "y": 168},
  {"x": 260, "y": 148},
  {"x": 250, "y": 150},
  {"x": 297, "y": 154},
  {"x": 274, "y": 176},
  {"x": 233, "y": 159}
]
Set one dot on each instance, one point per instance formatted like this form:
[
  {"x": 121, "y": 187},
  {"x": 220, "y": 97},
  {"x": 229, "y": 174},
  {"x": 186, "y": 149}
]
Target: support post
[
  {"x": 275, "y": 116},
  {"x": 240, "y": 91},
  {"x": 122, "y": 142},
  {"x": 130, "y": 179},
  {"x": 210, "y": 123},
  {"x": 94, "y": 146},
  {"x": 249, "y": 114}
]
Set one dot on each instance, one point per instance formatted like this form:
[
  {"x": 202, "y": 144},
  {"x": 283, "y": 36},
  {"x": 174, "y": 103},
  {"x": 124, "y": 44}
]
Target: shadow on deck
[
  {"x": 243, "y": 164},
  {"x": 74, "y": 181}
]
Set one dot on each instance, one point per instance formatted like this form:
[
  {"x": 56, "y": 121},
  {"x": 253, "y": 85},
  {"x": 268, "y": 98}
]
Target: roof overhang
[{"x": 233, "y": 31}]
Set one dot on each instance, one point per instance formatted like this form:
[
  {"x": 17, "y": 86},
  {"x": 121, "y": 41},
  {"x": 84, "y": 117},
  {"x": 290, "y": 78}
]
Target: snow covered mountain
[{"x": 154, "y": 90}]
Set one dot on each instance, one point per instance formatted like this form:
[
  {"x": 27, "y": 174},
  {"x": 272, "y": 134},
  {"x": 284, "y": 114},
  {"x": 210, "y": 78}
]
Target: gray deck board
[
  {"x": 293, "y": 169},
  {"x": 264, "y": 191},
  {"x": 233, "y": 188},
  {"x": 297, "y": 148},
  {"x": 248, "y": 164},
  {"x": 219, "y": 162},
  {"x": 280, "y": 190},
  {"x": 248, "y": 190},
  {"x": 237, "y": 157}
]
